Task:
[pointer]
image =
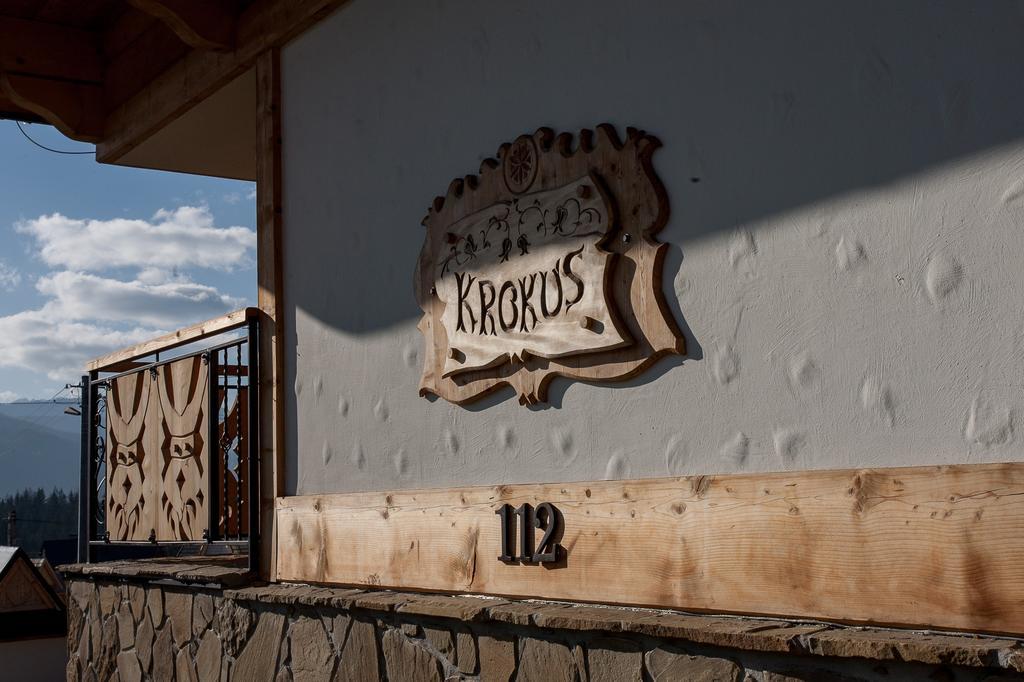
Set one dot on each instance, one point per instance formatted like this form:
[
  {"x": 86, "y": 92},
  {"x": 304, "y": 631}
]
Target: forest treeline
[{"x": 39, "y": 517}]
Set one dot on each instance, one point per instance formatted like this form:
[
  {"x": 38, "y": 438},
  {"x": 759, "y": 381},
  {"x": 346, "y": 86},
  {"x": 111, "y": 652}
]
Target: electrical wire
[
  {"x": 8, "y": 449},
  {"x": 49, "y": 149}
]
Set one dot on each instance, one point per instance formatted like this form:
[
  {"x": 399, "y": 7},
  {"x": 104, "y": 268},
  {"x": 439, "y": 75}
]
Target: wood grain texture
[
  {"x": 263, "y": 25},
  {"x": 182, "y": 387},
  {"x": 203, "y": 24},
  {"x": 157, "y": 461},
  {"x": 75, "y": 109},
  {"x": 196, "y": 332},
  {"x": 270, "y": 299},
  {"x": 44, "y": 50},
  {"x": 925, "y": 546},
  {"x": 621, "y": 171}
]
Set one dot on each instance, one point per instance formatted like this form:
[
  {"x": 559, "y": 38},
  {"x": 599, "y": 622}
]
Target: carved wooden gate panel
[
  {"x": 158, "y": 461},
  {"x": 184, "y": 462},
  {"x": 131, "y": 454}
]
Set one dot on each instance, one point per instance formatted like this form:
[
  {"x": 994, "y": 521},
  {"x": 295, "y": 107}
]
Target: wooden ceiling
[
  {"x": 117, "y": 72},
  {"x": 72, "y": 62}
]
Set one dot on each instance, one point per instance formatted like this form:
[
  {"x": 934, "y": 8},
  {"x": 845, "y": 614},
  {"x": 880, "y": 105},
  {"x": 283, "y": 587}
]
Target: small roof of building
[{"x": 29, "y": 605}]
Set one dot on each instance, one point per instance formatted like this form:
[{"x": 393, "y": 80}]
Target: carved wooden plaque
[{"x": 544, "y": 265}]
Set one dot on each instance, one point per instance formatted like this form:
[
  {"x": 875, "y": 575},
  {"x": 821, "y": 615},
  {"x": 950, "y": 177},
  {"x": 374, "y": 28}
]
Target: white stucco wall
[{"x": 847, "y": 227}]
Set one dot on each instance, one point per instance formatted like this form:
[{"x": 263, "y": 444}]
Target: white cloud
[
  {"x": 251, "y": 196},
  {"x": 8, "y": 396},
  {"x": 232, "y": 198},
  {"x": 182, "y": 238},
  {"x": 10, "y": 278},
  {"x": 37, "y": 340},
  {"x": 167, "y": 304},
  {"x": 87, "y": 315}
]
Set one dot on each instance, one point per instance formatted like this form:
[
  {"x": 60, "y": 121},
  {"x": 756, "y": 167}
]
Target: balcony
[{"x": 170, "y": 443}]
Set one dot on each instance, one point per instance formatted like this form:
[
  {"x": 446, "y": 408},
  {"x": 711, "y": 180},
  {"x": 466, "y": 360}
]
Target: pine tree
[{"x": 40, "y": 517}]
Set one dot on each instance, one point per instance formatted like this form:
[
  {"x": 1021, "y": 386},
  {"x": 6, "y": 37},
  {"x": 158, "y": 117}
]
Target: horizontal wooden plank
[
  {"x": 935, "y": 547},
  {"x": 196, "y": 332}
]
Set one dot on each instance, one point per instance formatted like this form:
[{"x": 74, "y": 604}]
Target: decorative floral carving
[
  {"x": 521, "y": 165},
  {"x": 546, "y": 264}
]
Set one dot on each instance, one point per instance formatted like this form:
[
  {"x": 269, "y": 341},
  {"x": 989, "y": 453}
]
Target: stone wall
[{"x": 127, "y": 626}]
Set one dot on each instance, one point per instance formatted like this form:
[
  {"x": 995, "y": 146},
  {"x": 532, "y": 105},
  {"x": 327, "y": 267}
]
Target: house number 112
[{"x": 545, "y": 517}]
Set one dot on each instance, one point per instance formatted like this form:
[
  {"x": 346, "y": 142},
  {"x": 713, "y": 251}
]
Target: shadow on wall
[{"x": 761, "y": 107}]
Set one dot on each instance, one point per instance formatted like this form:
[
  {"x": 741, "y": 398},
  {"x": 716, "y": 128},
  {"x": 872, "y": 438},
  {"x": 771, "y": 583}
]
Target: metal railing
[{"x": 170, "y": 450}]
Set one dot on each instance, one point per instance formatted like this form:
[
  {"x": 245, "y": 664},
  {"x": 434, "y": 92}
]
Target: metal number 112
[{"x": 545, "y": 517}]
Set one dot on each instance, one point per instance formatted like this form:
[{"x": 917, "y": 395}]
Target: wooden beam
[
  {"x": 202, "y": 24},
  {"x": 75, "y": 109},
  {"x": 262, "y": 25},
  {"x": 54, "y": 72},
  {"x": 270, "y": 299},
  {"x": 936, "y": 547},
  {"x": 34, "y": 48},
  {"x": 196, "y": 332},
  {"x": 155, "y": 50}
]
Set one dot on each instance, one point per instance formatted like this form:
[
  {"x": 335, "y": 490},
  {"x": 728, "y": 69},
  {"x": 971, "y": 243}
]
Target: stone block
[
  {"x": 497, "y": 658},
  {"x": 125, "y": 626},
  {"x": 466, "y": 651},
  {"x": 441, "y": 640},
  {"x": 144, "y": 638},
  {"x": 359, "y": 653},
  {"x": 407, "y": 661},
  {"x": 513, "y": 613},
  {"x": 457, "y": 607},
  {"x": 178, "y": 607},
  {"x": 234, "y": 624},
  {"x": 908, "y": 646},
  {"x": 208, "y": 657},
  {"x": 184, "y": 667},
  {"x": 137, "y": 600},
  {"x": 163, "y": 655},
  {"x": 541, "y": 660},
  {"x": 81, "y": 592},
  {"x": 670, "y": 665},
  {"x": 155, "y": 604},
  {"x": 379, "y": 601},
  {"x": 84, "y": 650},
  {"x": 258, "y": 660},
  {"x": 76, "y": 624},
  {"x": 105, "y": 656},
  {"x": 202, "y": 613},
  {"x": 110, "y": 596},
  {"x": 339, "y": 626},
  {"x": 311, "y": 653},
  {"x": 614, "y": 660},
  {"x": 128, "y": 668}
]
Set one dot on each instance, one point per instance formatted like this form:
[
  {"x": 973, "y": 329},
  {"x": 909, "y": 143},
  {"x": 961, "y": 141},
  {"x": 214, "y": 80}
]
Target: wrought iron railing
[{"x": 170, "y": 448}]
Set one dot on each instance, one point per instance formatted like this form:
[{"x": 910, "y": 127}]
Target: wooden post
[{"x": 268, "y": 256}]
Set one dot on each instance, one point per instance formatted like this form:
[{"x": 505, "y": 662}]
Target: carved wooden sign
[{"x": 546, "y": 265}]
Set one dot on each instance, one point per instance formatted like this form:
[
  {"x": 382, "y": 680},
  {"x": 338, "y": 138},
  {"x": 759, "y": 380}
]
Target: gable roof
[{"x": 22, "y": 586}]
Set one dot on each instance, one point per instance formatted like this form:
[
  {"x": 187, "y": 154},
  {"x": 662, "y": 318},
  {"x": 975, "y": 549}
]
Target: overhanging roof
[{"x": 154, "y": 83}]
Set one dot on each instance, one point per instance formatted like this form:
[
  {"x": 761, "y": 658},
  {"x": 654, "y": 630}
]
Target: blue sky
[{"x": 95, "y": 257}]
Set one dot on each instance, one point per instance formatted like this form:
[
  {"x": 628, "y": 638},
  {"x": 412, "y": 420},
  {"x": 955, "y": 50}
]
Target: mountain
[{"x": 40, "y": 447}]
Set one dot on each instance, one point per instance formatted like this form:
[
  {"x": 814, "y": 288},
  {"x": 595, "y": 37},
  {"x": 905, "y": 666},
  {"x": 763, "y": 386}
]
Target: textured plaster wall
[{"x": 847, "y": 196}]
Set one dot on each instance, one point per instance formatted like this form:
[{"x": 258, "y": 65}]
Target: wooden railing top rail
[{"x": 118, "y": 360}]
